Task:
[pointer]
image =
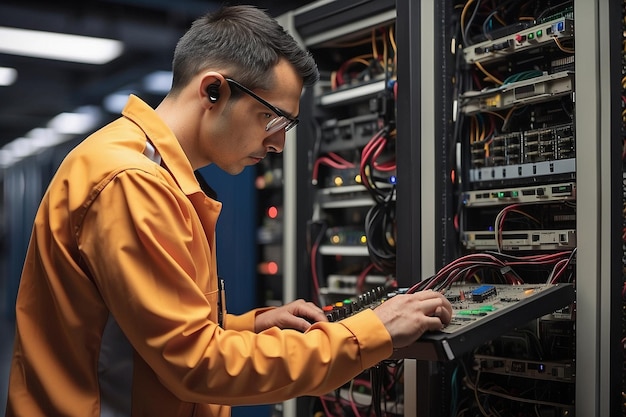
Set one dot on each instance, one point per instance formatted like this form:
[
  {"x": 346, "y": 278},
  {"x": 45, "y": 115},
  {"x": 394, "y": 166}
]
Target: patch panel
[
  {"x": 534, "y": 37},
  {"x": 520, "y": 240},
  {"x": 564, "y": 370},
  {"x": 520, "y": 195},
  {"x": 528, "y": 172},
  {"x": 533, "y": 90}
]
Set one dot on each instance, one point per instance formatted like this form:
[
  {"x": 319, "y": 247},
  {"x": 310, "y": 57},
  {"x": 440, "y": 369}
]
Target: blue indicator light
[{"x": 393, "y": 179}]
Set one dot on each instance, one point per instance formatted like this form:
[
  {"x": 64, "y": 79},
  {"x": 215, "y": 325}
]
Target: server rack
[
  {"x": 597, "y": 35},
  {"x": 584, "y": 182},
  {"x": 345, "y": 111}
]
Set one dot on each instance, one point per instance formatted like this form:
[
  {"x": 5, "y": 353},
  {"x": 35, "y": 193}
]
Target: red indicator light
[
  {"x": 268, "y": 268},
  {"x": 272, "y": 268},
  {"x": 272, "y": 212}
]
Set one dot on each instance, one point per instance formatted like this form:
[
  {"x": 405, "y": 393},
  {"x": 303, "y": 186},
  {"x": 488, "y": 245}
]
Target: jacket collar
[{"x": 165, "y": 143}]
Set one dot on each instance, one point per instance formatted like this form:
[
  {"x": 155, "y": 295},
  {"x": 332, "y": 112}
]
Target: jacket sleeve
[
  {"x": 146, "y": 252},
  {"x": 243, "y": 321}
]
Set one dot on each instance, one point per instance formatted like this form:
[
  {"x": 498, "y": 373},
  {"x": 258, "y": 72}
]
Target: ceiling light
[
  {"x": 63, "y": 127},
  {"x": 59, "y": 46},
  {"x": 80, "y": 121},
  {"x": 158, "y": 82},
  {"x": 115, "y": 102},
  {"x": 7, "y": 76}
]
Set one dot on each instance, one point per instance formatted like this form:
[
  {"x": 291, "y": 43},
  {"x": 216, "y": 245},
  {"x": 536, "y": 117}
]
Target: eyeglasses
[{"x": 279, "y": 122}]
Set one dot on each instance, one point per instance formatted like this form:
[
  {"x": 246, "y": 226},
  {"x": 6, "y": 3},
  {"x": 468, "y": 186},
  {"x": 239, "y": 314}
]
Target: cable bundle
[
  {"x": 503, "y": 265},
  {"x": 380, "y": 221}
]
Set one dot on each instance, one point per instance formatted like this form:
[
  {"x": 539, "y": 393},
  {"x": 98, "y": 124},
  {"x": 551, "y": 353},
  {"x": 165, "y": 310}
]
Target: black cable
[
  {"x": 376, "y": 381},
  {"x": 466, "y": 39},
  {"x": 380, "y": 233}
]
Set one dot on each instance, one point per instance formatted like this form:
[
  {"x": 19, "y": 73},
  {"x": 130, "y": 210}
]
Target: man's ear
[{"x": 213, "y": 88}]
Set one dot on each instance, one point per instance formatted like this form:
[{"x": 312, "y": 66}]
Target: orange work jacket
[{"x": 117, "y": 315}]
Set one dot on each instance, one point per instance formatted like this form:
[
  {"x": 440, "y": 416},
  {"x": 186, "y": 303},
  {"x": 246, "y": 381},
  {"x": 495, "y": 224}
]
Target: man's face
[{"x": 238, "y": 137}]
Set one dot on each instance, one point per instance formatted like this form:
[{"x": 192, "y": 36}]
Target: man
[{"x": 118, "y": 308}]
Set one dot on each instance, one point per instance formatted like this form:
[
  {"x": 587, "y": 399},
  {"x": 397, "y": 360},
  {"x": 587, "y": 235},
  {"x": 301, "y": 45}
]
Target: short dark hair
[{"x": 243, "y": 40}]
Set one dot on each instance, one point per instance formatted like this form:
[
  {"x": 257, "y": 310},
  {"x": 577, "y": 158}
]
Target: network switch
[
  {"x": 533, "y": 90},
  {"x": 520, "y": 195},
  {"x": 546, "y": 370},
  {"x": 536, "y": 36},
  {"x": 520, "y": 240},
  {"x": 523, "y": 172}
]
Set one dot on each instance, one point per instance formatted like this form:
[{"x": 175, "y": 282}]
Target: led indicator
[
  {"x": 272, "y": 212},
  {"x": 272, "y": 268},
  {"x": 268, "y": 268},
  {"x": 338, "y": 181}
]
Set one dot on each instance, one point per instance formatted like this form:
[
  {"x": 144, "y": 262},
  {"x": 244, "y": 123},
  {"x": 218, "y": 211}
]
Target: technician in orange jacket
[{"x": 118, "y": 309}]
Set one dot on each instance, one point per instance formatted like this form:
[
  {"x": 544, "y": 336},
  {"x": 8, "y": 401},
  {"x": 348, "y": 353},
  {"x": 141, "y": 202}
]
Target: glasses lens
[{"x": 276, "y": 124}]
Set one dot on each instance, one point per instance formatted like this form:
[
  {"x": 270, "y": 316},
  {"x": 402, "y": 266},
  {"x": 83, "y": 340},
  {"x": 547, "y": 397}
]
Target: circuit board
[{"x": 483, "y": 312}]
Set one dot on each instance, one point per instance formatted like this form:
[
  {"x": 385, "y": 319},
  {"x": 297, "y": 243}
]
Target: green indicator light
[
  {"x": 515, "y": 193},
  {"x": 531, "y": 36},
  {"x": 539, "y": 33},
  {"x": 501, "y": 194}
]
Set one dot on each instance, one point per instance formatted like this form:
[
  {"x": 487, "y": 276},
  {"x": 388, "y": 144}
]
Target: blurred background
[
  {"x": 137, "y": 38},
  {"x": 66, "y": 68}
]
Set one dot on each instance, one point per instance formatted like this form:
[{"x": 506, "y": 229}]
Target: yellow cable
[
  {"x": 489, "y": 76},
  {"x": 463, "y": 13},
  {"x": 561, "y": 47},
  {"x": 374, "y": 47},
  {"x": 392, "y": 40}
]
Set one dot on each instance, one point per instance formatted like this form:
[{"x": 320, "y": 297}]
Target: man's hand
[
  {"x": 296, "y": 315},
  {"x": 408, "y": 316}
]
